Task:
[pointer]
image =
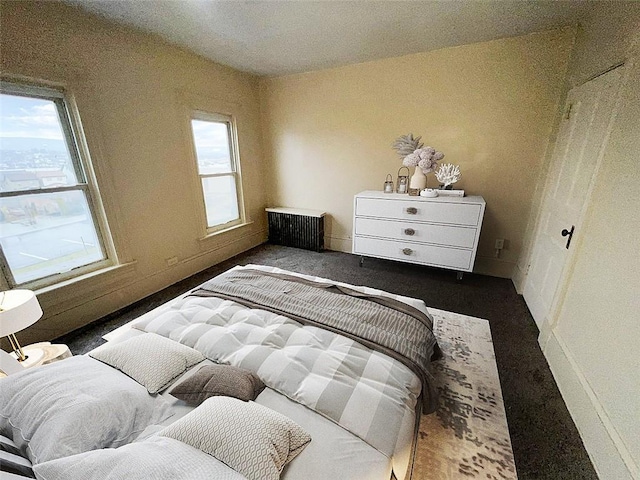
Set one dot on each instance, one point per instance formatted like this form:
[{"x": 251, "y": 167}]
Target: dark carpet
[{"x": 546, "y": 444}]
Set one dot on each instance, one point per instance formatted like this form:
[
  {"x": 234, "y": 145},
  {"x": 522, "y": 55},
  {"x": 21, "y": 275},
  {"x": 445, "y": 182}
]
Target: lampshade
[{"x": 18, "y": 310}]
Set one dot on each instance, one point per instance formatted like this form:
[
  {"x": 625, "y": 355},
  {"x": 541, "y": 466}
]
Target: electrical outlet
[
  {"x": 499, "y": 244},
  {"x": 172, "y": 261}
]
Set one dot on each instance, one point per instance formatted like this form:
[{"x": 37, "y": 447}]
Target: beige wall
[
  {"x": 488, "y": 106},
  {"x": 134, "y": 93},
  {"x": 592, "y": 343}
]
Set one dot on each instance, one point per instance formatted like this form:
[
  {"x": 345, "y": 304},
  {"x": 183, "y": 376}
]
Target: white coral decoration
[
  {"x": 448, "y": 174},
  {"x": 426, "y": 158}
]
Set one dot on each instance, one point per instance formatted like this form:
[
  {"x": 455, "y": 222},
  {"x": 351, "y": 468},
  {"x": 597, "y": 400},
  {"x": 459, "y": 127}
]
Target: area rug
[{"x": 468, "y": 436}]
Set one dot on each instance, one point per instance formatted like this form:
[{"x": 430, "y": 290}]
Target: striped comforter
[
  {"x": 365, "y": 391},
  {"x": 382, "y": 323}
]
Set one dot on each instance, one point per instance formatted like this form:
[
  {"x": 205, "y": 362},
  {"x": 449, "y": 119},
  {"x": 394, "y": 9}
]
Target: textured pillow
[
  {"x": 150, "y": 359},
  {"x": 253, "y": 440},
  {"x": 218, "y": 380}
]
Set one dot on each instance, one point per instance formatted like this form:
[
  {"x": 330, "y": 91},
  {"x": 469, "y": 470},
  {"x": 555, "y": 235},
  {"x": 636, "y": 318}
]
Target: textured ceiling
[{"x": 271, "y": 37}]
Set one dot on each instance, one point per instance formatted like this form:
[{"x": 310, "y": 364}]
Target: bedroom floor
[{"x": 546, "y": 444}]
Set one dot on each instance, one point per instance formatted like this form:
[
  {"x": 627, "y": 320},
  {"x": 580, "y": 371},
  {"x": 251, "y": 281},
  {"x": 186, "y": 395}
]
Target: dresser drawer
[
  {"x": 437, "y": 212},
  {"x": 463, "y": 237},
  {"x": 415, "y": 253}
]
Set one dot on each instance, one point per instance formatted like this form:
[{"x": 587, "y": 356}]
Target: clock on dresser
[{"x": 440, "y": 232}]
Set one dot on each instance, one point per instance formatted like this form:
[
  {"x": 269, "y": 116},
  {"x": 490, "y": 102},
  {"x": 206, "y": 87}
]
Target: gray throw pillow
[
  {"x": 252, "y": 439},
  {"x": 218, "y": 380}
]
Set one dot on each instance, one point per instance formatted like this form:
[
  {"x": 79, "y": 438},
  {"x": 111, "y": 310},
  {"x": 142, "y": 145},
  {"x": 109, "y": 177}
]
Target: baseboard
[
  {"x": 338, "y": 244},
  {"x": 606, "y": 449},
  {"x": 494, "y": 267}
]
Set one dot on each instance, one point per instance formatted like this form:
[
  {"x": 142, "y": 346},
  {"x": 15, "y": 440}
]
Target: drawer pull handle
[
  {"x": 407, "y": 251},
  {"x": 412, "y": 210},
  {"x": 409, "y": 231}
]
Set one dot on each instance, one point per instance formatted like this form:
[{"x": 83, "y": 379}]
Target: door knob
[{"x": 568, "y": 233}]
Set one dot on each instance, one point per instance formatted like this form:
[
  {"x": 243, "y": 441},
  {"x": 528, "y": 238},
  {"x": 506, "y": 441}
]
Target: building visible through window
[{"x": 48, "y": 228}]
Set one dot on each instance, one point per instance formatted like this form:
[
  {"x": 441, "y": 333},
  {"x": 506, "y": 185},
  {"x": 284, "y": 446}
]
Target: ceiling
[{"x": 273, "y": 37}]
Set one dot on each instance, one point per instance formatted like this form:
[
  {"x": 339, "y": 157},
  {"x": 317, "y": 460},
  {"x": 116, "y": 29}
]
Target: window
[
  {"x": 48, "y": 228},
  {"x": 217, "y": 162}
]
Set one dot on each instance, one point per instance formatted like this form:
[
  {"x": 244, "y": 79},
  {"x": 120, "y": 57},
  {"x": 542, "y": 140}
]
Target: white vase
[{"x": 418, "y": 180}]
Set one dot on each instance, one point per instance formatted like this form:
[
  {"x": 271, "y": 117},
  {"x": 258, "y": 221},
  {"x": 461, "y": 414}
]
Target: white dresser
[{"x": 441, "y": 232}]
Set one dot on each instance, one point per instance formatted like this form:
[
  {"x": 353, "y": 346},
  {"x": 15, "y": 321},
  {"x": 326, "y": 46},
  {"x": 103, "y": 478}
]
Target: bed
[{"x": 343, "y": 371}]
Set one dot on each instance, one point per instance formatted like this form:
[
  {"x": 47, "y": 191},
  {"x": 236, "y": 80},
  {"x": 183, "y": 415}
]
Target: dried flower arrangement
[
  {"x": 406, "y": 144},
  {"x": 414, "y": 154}
]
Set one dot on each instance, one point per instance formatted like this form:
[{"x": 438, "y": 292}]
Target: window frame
[
  {"x": 235, "y": 173},
  {"x": 69, "y": 119}
]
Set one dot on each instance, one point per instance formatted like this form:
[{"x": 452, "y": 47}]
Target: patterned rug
[{"x": 467, "y": 437}]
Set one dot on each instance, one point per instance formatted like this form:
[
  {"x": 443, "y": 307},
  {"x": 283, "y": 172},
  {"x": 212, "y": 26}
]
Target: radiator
[{"x": 298, "y": 228}]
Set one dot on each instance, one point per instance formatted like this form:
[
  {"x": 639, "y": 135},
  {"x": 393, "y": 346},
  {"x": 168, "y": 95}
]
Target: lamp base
[
  {"x": 34, "y": 356},
  {"x": 42, "y": 353}
]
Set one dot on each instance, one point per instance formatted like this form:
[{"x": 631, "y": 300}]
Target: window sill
[
  {"x": 213, "y": 239},
  {"x": 76, "y": 291}
]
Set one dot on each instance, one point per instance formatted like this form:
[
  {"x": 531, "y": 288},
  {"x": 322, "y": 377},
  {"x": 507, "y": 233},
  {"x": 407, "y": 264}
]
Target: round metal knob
[
  {"x": 409, "y": 231},
  {"x": 407, "y": 251},
  {"x": 412, "y": 210}
]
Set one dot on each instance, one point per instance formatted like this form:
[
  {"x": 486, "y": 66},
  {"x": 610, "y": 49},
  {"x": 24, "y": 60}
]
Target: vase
[{"x": 418, "y": 182}]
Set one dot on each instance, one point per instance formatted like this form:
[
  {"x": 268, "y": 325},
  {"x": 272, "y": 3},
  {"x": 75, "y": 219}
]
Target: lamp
[{"x": 19, "y": 309}]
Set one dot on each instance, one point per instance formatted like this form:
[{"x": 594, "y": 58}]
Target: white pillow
[
  {"x": 252, "y": 439},
  {"x": 75, "y": 405},
  {"x": 150, "y": 359}
]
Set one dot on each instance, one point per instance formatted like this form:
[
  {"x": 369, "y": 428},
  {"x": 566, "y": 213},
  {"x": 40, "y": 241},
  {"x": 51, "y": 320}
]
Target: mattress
[{"x": 350, "y": 439}]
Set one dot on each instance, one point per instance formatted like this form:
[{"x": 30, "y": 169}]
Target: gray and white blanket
[
  {"x": 366, "y": 391},
  {"x": 381, "y": 323}
]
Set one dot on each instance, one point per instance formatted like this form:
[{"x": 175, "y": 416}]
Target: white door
[{"x": 581, "y": 140}]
